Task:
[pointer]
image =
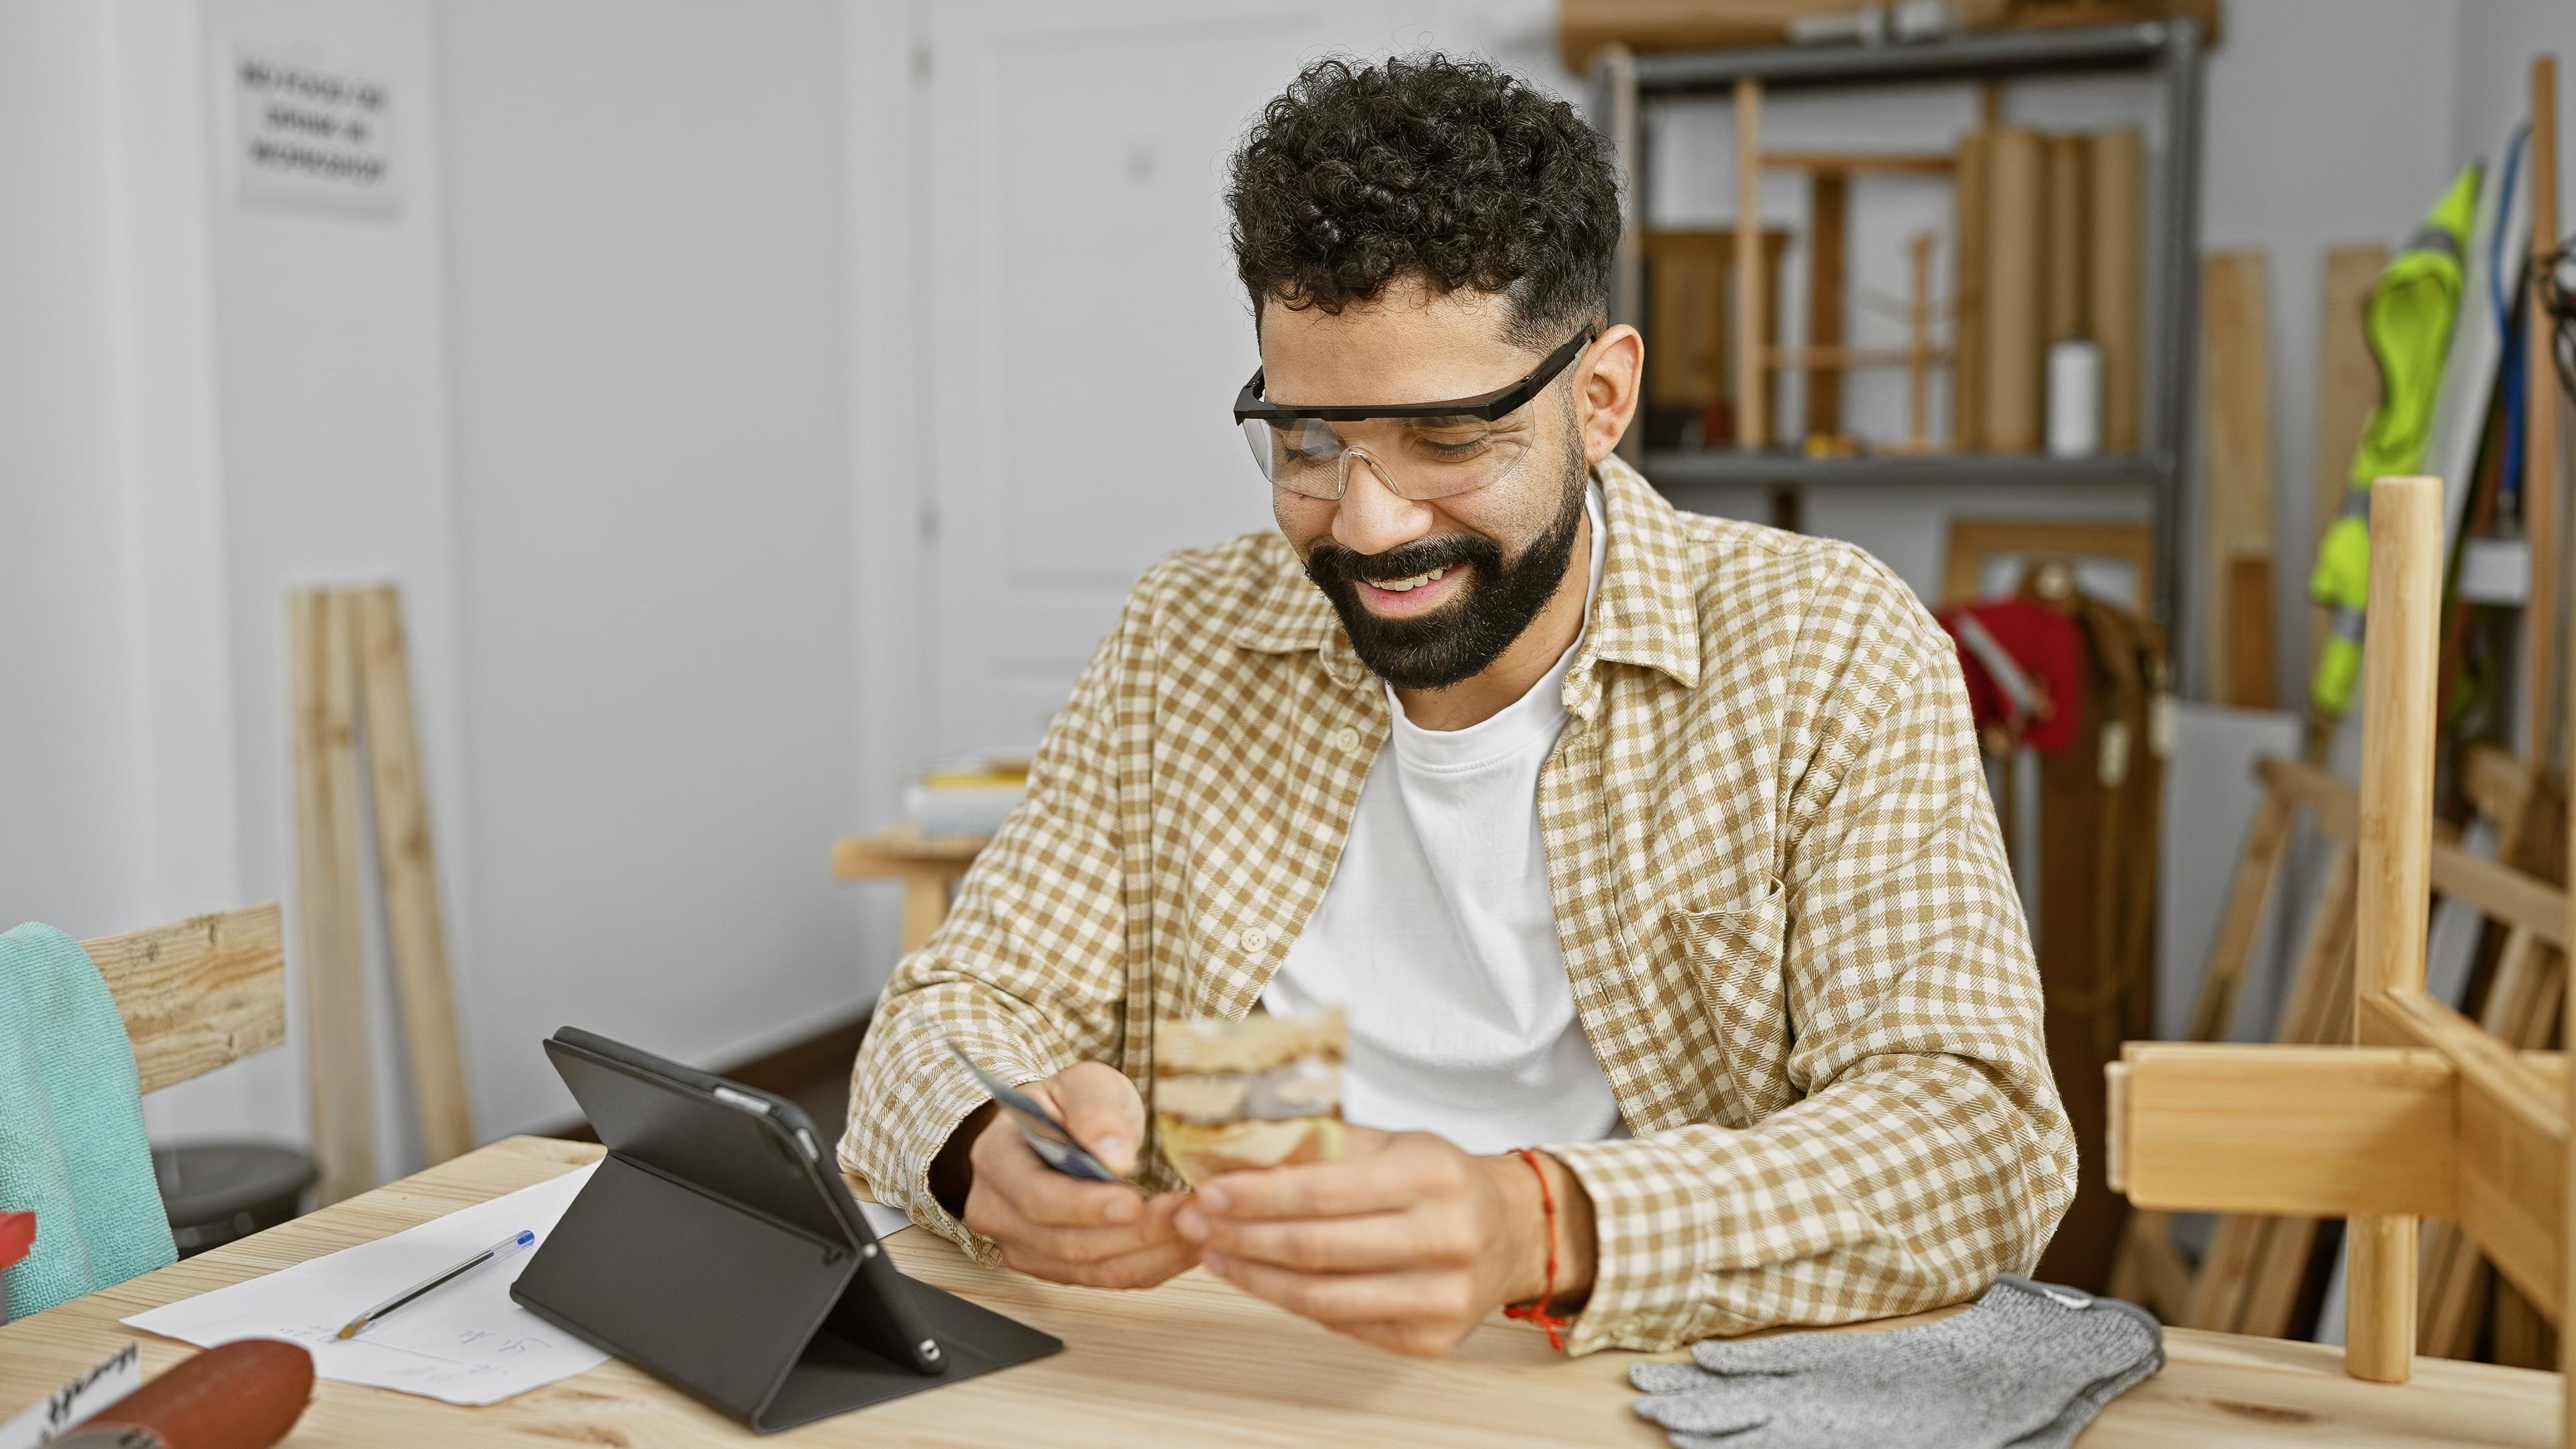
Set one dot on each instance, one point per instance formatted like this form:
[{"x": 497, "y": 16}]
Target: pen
[{"x": 509, "y": 1247}]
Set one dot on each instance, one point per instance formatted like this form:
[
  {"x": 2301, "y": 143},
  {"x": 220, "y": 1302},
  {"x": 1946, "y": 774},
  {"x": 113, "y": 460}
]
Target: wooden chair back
[
  {"x": 200, "y": 994},
  {"x": 2426, "y": 1115}
]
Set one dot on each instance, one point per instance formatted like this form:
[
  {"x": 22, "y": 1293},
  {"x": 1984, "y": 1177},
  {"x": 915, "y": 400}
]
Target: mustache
[{"x": 1331, "y": 564}]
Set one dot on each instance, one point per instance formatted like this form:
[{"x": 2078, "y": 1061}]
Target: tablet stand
[{"x": 718, "y": 1248}]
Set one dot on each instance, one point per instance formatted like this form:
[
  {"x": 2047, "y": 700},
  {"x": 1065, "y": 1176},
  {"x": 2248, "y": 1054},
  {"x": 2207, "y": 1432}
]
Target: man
[{"x": 1656, "y": 842}]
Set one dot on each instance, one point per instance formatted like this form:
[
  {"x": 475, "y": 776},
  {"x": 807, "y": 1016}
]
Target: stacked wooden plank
[{"x": 2050, "y": 248}]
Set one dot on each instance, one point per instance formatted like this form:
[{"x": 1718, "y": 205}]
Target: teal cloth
[{"x": 72, "y": 1148}]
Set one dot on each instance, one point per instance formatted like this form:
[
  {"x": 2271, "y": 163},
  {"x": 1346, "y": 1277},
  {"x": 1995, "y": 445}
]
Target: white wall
[
  {"x": 2497, "y": 40},
  {"x": 69, "y": 738},
  {"x": 583, "y": 395},
  {"x": 649, "y": 285}
]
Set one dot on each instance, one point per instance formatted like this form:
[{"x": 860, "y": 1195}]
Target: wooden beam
[
  {"x": 1829, "y": 221},
  {"x": 407, "y": 865},
  {"x": 2521, "y": 1008},
  {"x": 1845, "y": 163},
  {"x": 1971, "y": 194},
  {"x": 1971, "y": 546},
  {"x": 1752, "y": 383},
  {"x": 2065, "y": 241},
  {"x": 2517, "y": 900},
  {"x": 2014, "y": 338},
  {"x": 1831, "y": 359},
  {"x": 2238, "y": 477},
  {"x": 1919, "y": 352},
  {"x": 200, "y": 994},
  {"x": 2494, "y": 1070},
  {"x": 2267, "y": 840},
  {"x": 2512, "y": 1132},
  {"x": 2513, "y": 1193},
  {"x": 899, "y": 848},
  {"x": 2116, "y": 306},
  {"x": 2312, "y": 1131},
  {"x": 2400, "y": 661},
  {"x": 2540, "y": 502},
  {"x": 326, "y": 847},
  {"x": 1585, "y": 28},
  {"x": 2498, "y": 785}
]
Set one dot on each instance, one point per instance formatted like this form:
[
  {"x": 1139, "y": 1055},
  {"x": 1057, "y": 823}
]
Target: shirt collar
[{"x": 1646, "y": 613}]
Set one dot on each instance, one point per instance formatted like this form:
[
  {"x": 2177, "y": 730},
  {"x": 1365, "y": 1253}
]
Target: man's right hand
[{"x": 1068, "y": 1229}]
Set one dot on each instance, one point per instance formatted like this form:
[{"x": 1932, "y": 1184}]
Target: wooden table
[
  {"x": 926, "y": 864},
  {"x": 1195, "y": 1362}
]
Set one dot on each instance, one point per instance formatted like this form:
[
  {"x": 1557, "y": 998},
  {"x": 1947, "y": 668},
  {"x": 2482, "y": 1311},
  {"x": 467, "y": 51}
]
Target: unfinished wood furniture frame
[
  {"x": 928, "y": 866},
  {"x": 2426, "y": 1115},
  {"x": 197, "y": 995},
  {"x": 1973, "y": 543},
  {"x": 352, "y": 701},
  {"x": 2249, "y": 1278},
  {"x": 1256, "y": 1375},
  {"x": 1690, "y": 281},
  {"x": 1824, "y": 359}
]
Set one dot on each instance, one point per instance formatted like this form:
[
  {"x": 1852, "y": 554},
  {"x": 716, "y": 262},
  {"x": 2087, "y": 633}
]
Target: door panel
[{"x": 1086, "y": 333}]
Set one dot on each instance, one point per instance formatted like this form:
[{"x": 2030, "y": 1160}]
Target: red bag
[{"x": 2024, "y": 663}]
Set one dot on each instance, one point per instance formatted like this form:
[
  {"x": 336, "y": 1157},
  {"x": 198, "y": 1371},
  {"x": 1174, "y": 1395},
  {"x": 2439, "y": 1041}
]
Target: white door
[{"x": 1086, "y": 335}]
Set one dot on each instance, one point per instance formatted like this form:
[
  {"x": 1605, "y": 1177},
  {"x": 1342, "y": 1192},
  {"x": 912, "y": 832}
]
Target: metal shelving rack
[{"x": 1623, "y": 84}]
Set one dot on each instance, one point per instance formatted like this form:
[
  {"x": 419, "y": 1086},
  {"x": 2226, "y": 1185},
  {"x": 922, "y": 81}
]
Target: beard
[{"x": 1495, "y": 605}]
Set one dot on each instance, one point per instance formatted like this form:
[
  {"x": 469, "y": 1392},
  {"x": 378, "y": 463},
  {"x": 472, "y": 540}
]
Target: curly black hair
[{"x": 1359, "y": 175}]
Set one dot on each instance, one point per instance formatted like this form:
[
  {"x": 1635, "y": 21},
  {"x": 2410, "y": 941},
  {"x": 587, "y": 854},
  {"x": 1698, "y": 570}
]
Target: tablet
[
  {"x": 755, "y": 1147},
  {"x": 718, "y": 1247}
]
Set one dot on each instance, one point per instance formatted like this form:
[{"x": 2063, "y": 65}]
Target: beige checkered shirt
[{"x": 1782, "y": 900}]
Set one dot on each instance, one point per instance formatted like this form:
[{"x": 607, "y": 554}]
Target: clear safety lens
[{"x": 1419, "y": 459}]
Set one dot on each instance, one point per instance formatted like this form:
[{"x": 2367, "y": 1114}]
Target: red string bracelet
[{"x": 1537, "y": 1312}]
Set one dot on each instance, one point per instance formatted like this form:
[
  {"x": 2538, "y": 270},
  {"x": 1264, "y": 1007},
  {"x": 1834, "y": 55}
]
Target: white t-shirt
[{"x": 1437, "y": 936}]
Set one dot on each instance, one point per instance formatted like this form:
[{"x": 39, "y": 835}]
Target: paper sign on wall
[{"x": 313, "y": 135}]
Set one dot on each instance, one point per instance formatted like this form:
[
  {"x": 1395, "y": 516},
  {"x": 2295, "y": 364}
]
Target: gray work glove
[{"x": 2026, "y": 1367}]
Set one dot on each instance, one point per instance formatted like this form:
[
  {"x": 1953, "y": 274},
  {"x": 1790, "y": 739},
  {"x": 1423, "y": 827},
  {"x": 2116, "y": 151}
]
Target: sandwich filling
[{"x": 1260, "y": 1092}]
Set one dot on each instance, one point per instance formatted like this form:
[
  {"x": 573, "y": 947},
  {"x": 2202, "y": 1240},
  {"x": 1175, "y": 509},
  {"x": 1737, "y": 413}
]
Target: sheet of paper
[
  {"x": 61, "y": 1411},
  {"x": 883, "y": 1220},
  {"x": 467, "y": 1343}
]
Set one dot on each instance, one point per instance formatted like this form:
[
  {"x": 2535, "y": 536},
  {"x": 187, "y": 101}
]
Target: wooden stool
[
  {"x": 2426, "y": 1115},
  {"x": 928, "y": 865}
]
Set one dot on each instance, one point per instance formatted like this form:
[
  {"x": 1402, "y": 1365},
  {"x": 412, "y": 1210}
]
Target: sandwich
[{"x": 1260, "y": 1092}]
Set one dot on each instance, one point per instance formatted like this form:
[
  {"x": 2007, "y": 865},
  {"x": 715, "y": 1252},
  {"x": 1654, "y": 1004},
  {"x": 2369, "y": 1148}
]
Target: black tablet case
[{"x": 698, "y": 1252}]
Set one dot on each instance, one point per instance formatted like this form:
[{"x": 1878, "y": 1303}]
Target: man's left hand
[{"x": 1405, "y": 1242}]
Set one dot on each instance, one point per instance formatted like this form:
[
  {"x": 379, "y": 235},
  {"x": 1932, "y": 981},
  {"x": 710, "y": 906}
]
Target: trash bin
[{"x": 216, "y": 1192}]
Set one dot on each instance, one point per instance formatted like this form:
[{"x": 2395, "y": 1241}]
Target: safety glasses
[{"x": 1432, "y": 450}]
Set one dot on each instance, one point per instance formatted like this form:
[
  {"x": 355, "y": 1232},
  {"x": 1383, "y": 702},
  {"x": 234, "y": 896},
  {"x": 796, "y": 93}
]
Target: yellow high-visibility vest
[{"x": 2408, "y": 325}]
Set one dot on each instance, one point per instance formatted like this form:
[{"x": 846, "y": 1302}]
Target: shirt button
[
  {"x": 1255, "y": 938},
  {"x": 1346, "y": 738}
]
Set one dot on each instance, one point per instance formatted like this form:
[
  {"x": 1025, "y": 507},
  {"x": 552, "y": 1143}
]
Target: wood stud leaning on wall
[
  {"x": 352, "y": 673},
  {"x": 2237, "y": 476}
]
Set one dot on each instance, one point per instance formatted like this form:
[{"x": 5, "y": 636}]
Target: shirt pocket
[{"x": 1735, "y": 955}]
